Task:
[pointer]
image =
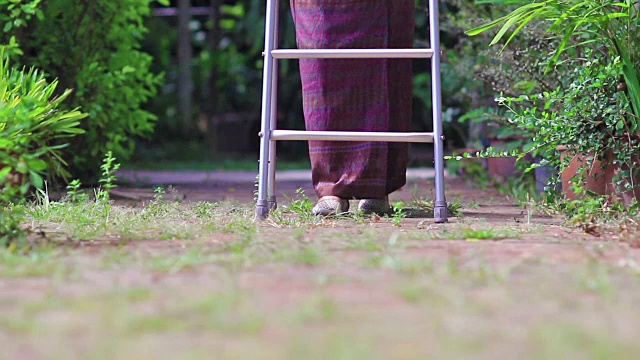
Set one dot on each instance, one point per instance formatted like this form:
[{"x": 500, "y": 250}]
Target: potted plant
[
  {"x": 583, "y": 126},
  {"x": 596, "y": 117},
  {"x": 511, "y": 73}
]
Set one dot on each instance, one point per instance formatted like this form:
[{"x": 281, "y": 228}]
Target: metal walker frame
[{"x": 269, "y": 134}]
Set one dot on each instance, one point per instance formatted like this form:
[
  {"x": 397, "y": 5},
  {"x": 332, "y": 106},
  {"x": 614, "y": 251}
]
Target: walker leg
[
  {"x": 266, "y": 199},
  {"x": 262, "y": 206},
  {"x": 262, "y": 211},
  {"x": 271, "y": 186},
  {"x": 440, "y": 204}
]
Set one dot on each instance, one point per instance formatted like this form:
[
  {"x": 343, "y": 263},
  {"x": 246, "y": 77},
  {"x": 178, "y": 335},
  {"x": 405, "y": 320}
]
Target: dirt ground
[{"x": 344, "y": 289}]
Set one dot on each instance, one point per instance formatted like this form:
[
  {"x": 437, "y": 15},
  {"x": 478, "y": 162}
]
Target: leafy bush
[
  {"x": 30, "y": 122},
  {"x": 11, "y": 234},
  {"x": 583, "y": 115},
  {"x": 92, "y": 46},
  {"x": 595, "y": 113},
  {"x": 611, "y": 26},
  {"x": 588, "y": 116},
  {"x": 14, "y": 17},
  {"x": 227, "y": 78},
  {"x": 473, "y": 74}
]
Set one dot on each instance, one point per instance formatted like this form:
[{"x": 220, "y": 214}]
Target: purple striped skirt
[{"x": 356, "y": 94}]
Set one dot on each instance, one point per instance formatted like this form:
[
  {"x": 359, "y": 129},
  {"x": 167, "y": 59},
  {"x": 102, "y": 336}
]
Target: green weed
[
  {"x": 204, "y": 209},
  {"x": 11, "y": 232},
  {"x": 161, "y": 218},
  {"x": 295, "y": 213},
  {"x": 155, "y": 323},
  {"x": 475, "y": 233},
  {"x": 228, "y": 311},
  {"x": 364, "y": 242},
  {"x": 317, "y": 308},
  {"x": 412, "y": 292},
  {"x": 74, "y": 192},
  {"x": 240, "y": 246},
  {"x": 303, "y": 255},
  {"x": 398, "y": 213},
  {"x": 572, "y": 341},
  {"x": 426, "y": 206},
  {"x": 595, "y": 277},
  {"x": 42, "y": 261},
  {"x": 108, "y": 177},
  {"x": 172, "y": 263},
  {"x": 301, "y": 205}
]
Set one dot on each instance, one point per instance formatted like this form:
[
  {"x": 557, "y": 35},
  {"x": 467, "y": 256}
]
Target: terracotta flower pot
[
  {"x": 599, "y": 175},
  {"x": 633, "y": 180},
  {"x": 502, "y": 168}
]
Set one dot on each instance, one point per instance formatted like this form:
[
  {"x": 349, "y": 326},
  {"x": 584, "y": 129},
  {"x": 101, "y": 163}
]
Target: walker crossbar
[
  {"x": 352, "y": 53},
  {"x": 269, "y": 134},
  {"x": 351, "y": 136}
]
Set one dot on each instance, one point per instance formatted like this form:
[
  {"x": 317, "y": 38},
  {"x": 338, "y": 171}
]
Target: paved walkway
[
  {"x": 156, "y": 177},
  {"x": 239, "y": 186},
  {"x": 218, "y": 185}
]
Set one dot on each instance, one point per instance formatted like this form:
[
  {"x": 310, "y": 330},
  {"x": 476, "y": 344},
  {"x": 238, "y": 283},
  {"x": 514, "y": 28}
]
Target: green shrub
[
  {"x": 92, "y": 46},
  {"x": 30, "y": 122},
  {"x": 11, "y": 233},
  {"x": 15, "y": 15}
]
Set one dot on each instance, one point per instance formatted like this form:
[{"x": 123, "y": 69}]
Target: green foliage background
[
  {"x": 236, "y": 67},
  {"x": 93, "y": 47},
  {"x": 116, "y": 57}
]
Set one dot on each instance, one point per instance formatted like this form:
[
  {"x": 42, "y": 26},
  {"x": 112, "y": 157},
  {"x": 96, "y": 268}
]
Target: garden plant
[
  {"x": 594, "y": 115},
  {"x": 33, "y": 130},
  {"x": 92, "y": 47}
]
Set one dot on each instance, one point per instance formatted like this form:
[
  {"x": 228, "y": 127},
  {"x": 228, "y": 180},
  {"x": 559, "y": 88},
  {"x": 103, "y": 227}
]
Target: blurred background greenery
[
  {"x": 177, "y": 84},
  {"x": 226, "y": 38}
]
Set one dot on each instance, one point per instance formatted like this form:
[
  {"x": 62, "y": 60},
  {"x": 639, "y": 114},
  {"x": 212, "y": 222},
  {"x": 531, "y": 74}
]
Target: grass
[
  {"x": 89, "y": 220},
  {"x": 364, "y": 242},
  {"x": 174, "y": 279},
  {"x": 474, "y": 232},
  {"x": 44, "y": 262},
  {"x": 318, "y": 308},
  {"x": 570, "y": 341},
  {"x": 298, "y": 290}
]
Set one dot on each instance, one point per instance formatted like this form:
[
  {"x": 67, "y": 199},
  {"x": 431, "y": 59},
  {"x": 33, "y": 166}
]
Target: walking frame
[{"x": 269, "y": 134}]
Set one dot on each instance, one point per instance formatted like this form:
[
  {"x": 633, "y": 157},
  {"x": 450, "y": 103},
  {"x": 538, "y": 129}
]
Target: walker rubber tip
[
  {"x": 262, "y": 212},
  {"x": 440, "y": 214}
]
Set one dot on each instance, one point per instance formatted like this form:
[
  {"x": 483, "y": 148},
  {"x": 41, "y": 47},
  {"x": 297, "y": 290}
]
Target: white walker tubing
[
  {"x": 271, "y": 177},
  {"x": 352, "y": 53},
  {"x": 262, "y": 206},
  {"x": 440, "y": 204},
  {"x": 269, "y": 134}
]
